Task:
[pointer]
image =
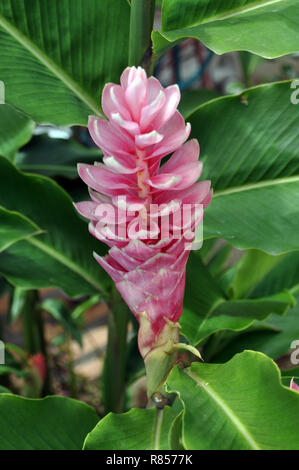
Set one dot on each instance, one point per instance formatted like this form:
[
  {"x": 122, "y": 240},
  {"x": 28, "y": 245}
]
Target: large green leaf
[
  {"x": 258, "y": 274},
  {"x": 15, "y": 130},
  {"x": 283, "y": 275},
  {"x": 207, "y": 310},
  {"x": 237, "y": 405},
  {"x": 54, "y": 157},
  {"x": 62, "y": 255},
  {"x": 191, "y": 99},
  {"x": 268, "y": 28},
  {"x": 135, "y": 430},
  {"x": 248, "y": 272},
  {"x": 14, "y": 227},
  {"x": 56, "y": 55},
  {"x": 273, "y": 337},
  {"x": 249, "y": 145},
  {"x": 53, "y": 423}
]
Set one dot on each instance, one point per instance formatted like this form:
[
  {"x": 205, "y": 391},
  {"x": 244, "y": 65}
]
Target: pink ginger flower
[{"x": 147, "y": 265}]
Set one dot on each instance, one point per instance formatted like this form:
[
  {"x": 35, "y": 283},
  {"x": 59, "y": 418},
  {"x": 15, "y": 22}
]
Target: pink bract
[
  {"x": 294, "y": 386},
  {"x": 143, "y": 127}
]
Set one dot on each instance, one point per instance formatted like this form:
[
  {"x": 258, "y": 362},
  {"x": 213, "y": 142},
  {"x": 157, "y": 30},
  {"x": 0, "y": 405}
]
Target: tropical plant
[{"x": 210, "y": 322}]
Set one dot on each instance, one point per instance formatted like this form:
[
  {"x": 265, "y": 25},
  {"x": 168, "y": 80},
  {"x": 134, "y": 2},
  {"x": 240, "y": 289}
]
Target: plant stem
[
  {"x": 141, "y": 25},
  {"x": 158, "y": 426},
  {"x": 31, "y": 323},
  {"x": 70, "y": 365},
  {"x": 4, "y": 379},
  {"x": 115, "y": 362},
  {"x": 33, "y": 331}
]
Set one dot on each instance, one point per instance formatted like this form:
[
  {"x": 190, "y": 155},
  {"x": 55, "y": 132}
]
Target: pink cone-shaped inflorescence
[{"x": 138, "y": 201}]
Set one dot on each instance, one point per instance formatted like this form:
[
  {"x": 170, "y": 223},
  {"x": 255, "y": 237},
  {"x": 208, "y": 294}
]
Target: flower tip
[
  {"x": 96, "y": 256},
  {"x": 80, "y": 168},
  {"x": 91, "y": 117},
  {"x": 294, "y": 386},
  {"x": 178, "y": 91}
]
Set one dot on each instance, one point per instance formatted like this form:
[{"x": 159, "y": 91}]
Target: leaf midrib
[
  {"x": 223, "y": 300},
  {"x": 216, "y": 304},
  {"x": 35, "y": 229},
  {"x": 232, "y": 14},
  {"x": 66, "y": 262},
  {"x": 258, "y": 185},
  {"x": 227, "y": 410},
  {"x": 50, "y": 65},
  {"x": 20, "y": 238}
]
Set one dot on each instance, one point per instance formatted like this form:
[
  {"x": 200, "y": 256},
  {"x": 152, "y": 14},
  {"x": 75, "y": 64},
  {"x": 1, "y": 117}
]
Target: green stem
[
  {"x": 33, "y": 330},
  {"x": 141, "y": 25},
  {"x": 4, "y": 379},
  {"x": 71, "y": 371},
  {"x": 114, "y": 375},
  {"x": 158, "y": 426},
  {"x": 31, "y": 323},
  {"x": 244, "y": 62}
]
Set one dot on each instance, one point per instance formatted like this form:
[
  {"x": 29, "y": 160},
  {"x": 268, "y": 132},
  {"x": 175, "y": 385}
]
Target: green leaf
[
  {"x": 6, "y": 370},
  {"x": 259, "y": 274},
  {"x": 16, "y": 130},
  {"x": 250, "y": 270},
  {"x": 79, "y": 311},
  {"x": 62, "y": 255},
  {"x": 191, "y": 99},
  {"x": 273, "y": 337},
  {"x": 238, "y": 405},
  {"x": 207, "y": 310},
  {"x": 208, "y": 248},
  {"x": 15, "y": 227},
  {"x": 176, "y": 432},
  {"x": 283, "y": 275},
  {"x": 58, "y": 310},
  {"x": 4, "y": 389},
  {"x": 135, "y": 430},
  {"x": 54, "y": 157},
  {"x": 242, "y": 25},
  {"x": 63, "y": 52},
  {"x": 249, "y": 63},
  {"x": 249, "y": 147},
  {"x": 53, "y": 423},
  {"x": 18, "y": 302},
  {"x": 141, "y": 25},
  {"x": 217, "y": 264}
]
